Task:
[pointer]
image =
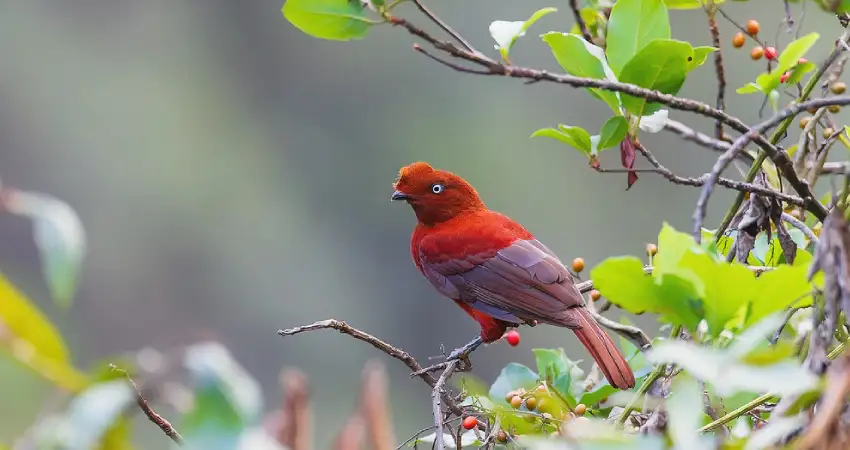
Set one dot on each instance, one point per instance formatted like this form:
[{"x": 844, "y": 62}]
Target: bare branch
[
  {"x": 454, "y": 34},
  {"x": 580, "y": 21}
]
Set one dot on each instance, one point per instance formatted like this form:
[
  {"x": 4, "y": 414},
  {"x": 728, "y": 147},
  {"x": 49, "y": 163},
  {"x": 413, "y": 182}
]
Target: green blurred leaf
[
  {"x": 575, "y": 137},
  {"x": 726, "y": 289},
  {"x": 633, "y": 24},
  {"x": 769, "y": 82},
  {"x": 550, "y": 363},
  {"x": 473, "y": 385},
  {"x": 337, "y": 20},
  {"x": 686, "y": 416},
  {"x": 778, "y": 289},
  {"x": 33, "y": 341},
  {"x": 118, "y": 436},
  {"x": 227, "y": 399},
  {"x": 798, "y": 71},
  {"x": 92, "y": 419},
  {"x": 582, "y": 59},
  {"x": 730, "y": 376},
  {"x": 512, "y": 377},
  {"x": 749, "y": 88},
  {"x": 661, "y": 65},
  {"x": 59, "y": 236}
]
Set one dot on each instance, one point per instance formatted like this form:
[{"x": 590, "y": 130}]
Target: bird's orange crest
[{"x": 435, "y": 195}]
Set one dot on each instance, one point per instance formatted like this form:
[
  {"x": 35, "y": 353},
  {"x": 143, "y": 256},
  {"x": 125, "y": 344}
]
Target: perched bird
[{"x": 494, "y": 268}]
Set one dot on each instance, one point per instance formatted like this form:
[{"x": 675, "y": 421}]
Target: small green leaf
[
  {"x": 512, "y": 377},
  {"x": 613, "y": 132},
  {"x": 749, "y": 88},
  {"x": 700, "y": 55},
  {"x": 633, "y": 24},
  {"x": 550, "y": 363},
  {"x": 576, "y": 137},
  {"x": 791, "y": 55},
  {"x": 662, "y": 65},
  {"x": 582, "y": 59},
  {"x": 798, "y": 71},
  {"x": 337, "y": 20}
]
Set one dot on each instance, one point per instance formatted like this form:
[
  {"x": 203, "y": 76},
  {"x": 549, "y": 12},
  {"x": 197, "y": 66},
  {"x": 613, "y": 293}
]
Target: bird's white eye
[{"x": 437, "y": 188}]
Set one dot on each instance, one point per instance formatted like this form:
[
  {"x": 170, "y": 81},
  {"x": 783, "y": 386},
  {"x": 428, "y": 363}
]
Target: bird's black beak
[{"x": 398, "y": 195}]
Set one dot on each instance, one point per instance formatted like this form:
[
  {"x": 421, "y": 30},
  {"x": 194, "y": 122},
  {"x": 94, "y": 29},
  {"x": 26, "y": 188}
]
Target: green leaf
[
  {"x": 788, "y": 59},
  {"x": 749, "y": 88},
  {"x": 798, "y": 71},
  {"x": 662, "y": 65},
  {"x": 727, "y": 288},
  {"x": 688, "y": 4},
  {"x": 550, "y": 363},
  {"x": 512, "y": 377},
  {"x": 35, "y": 341},
  {"x": 575, "y": 137},
  {"x": 613, "y": 131},
  {"x": 632, "y": 26},
  {"x": 623, "y": 282},
  {"x": 59, "y": 236},
  {"x": 778, "y": 289},
  {"x": 700, "y": 55},
  {"x": 337, "y": 20},
  {"x": 582, "y": 59}
]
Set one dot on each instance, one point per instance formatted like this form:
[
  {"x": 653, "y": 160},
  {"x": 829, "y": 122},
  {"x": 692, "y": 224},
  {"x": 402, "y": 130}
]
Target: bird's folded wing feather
[{"x": 521, "y": 281}]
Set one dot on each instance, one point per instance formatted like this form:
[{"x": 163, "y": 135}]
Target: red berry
[
  {"x": 512, "y": 337},
  {"x": 802, "y": 61},
  {"x": 470, "y": 422},
  {"x": 784, "y": 77},
  {"x": 770, "y": 53}
]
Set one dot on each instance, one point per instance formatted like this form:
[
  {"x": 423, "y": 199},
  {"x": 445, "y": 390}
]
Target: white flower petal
[
  {"x": 655, "y": 122},
  {"x": 504, "y": 32}
]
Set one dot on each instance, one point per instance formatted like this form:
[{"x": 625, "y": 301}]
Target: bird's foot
[{"x": 460, "y": 354}]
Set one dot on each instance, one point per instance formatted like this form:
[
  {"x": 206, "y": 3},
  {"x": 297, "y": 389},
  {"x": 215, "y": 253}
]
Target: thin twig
[
  {"x": 454, "y": 34},
  {"x": 436, "y": 393},
  {"x": 634, "y": 334},
  {"x": 794, "y": 222},
  {"x": 711, "y": 11},
  {"x": 394, "y": 352},
  {"x": 580, "y": 21},
  {"x": 725, "y": 182},
  {"x": 154, "y": 417}
]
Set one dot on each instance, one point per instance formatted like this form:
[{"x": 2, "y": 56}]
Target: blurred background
[{"x": 233, "y": 175}]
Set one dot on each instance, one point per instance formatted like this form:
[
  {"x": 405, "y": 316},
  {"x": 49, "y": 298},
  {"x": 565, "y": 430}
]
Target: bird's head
[{"x": 435, "y": 195}]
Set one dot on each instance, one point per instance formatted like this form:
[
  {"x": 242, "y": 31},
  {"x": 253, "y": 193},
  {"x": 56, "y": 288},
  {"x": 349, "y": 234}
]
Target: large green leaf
[
  {"x": 34, "y": 341},
  {"x": 661, "y": 65},
  {"x": 582, "y": 59},
  {"x": 632, "y": 26},
  {"x": 337, "y": 20},
  {"x": 512, "y": 377}
]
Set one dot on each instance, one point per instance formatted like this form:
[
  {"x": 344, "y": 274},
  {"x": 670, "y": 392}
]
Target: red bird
[{"x": 494, "y": 268}]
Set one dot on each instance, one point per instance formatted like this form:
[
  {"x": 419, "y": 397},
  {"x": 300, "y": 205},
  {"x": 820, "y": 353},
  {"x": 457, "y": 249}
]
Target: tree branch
[
  {"x": 580, "y": 21},
  {"x": 783, "y": 163}
]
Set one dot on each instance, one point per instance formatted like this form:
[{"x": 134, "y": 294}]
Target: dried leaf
[{"x": 627, "y": 155}]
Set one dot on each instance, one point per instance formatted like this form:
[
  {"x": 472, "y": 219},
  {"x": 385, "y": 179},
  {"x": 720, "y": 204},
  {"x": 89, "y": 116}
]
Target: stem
[
  {"x": 647, "y": 383},
  {"x": 755, "y": 403}
]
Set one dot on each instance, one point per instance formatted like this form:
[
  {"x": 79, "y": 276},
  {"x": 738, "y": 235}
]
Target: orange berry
[
  {"x": 578, "y": 265},
  {"x": 516, "y": 402},
  {"x": 501, "y": 436},
  {"x": 838, "y": 87},
  {"x": 512, "y": 337},
  {"x": 580, "y": 409},
  {"x": 531, "y": 403},
  {"x": 470, "y": 422},
  {"x": 651, "y": 249},
  {"x": 595, "y": 295},
  {"x": 753, "y": 27},
  {"x": 756, "y": 53},
  {"x": 738, "y": 40}
]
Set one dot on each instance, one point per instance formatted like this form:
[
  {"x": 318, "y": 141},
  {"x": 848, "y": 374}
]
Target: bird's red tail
[{"x": 609, "y": 358}]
